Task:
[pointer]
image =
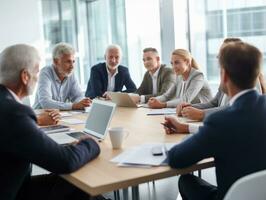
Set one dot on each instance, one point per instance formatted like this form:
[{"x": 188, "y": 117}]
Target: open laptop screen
[{"x": 99, "y": 118}]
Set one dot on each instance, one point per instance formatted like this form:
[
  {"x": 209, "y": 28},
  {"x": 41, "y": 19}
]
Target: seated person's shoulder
[
  {"x": 222, "y": 116},
  {"x": 46, "y": 71},
  {"x": 166, "y": 70},
  {"x": 122, "y": 68},
  {"x": 13, "y": 107},
  {"x": 98, "y": 67}
]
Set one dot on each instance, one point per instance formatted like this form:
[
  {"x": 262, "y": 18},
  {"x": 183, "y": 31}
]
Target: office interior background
[{"x": 90, "y": 25}]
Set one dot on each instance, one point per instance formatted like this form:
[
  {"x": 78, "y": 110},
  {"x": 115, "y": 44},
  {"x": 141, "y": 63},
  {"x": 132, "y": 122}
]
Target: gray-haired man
[{"x": 58, "y": 88}]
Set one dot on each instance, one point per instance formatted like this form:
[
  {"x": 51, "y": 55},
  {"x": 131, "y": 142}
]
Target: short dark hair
[
  {"x": 242, "y": 63},
  {"x": 231, "y": 39},
  {"x": 150, "y": 49}
]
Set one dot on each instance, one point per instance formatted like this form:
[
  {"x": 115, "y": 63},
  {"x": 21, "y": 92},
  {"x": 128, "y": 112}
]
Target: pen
[{"x": 167, "y": 126}]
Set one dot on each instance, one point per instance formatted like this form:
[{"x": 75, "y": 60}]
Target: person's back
[
  {"x": 234, "y": 136},
  {"x": 239, "y": 128}
]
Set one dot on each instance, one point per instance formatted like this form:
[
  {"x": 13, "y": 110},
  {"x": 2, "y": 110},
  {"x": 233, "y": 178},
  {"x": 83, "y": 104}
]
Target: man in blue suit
[
  {"x": 235, "y": 137},
  {"x": 23, "y": 143},
  {"x": 109, "y": 76}
]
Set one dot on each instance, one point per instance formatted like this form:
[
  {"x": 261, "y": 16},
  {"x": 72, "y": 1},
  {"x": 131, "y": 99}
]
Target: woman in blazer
[{"x": 190, "y": 83}]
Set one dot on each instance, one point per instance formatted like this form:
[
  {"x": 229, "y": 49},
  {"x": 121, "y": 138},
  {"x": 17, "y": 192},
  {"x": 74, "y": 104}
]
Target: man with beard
[
  {"x": 57, "y": 87},
  {"x": 158, "y": 78},
  {"x": 23, "y": 143},
  {"x": 109, "y": 75}
]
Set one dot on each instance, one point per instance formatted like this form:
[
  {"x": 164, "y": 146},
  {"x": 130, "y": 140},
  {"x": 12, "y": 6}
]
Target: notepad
[{"x": 142, "y": 155}]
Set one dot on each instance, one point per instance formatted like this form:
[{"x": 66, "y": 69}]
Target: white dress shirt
[
  {"x": 154, "y": 78},
  {"x": 111, "y": 79}
]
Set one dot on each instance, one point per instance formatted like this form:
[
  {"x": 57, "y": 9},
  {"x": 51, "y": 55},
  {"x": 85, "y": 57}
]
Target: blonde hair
[{"x": 186, "y": 56}]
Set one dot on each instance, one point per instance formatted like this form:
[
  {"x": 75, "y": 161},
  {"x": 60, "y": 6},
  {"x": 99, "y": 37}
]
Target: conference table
[{"x": 101, "y": 176}]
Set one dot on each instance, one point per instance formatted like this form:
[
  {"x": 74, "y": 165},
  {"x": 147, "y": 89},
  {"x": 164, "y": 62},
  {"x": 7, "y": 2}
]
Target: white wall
[{"x": 21, "y": 23}]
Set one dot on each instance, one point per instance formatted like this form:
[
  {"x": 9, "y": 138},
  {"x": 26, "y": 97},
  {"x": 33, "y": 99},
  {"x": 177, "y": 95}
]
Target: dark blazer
[
  {"x": 98, "y": 82},
  {"x": 23, "y": 143},
  {"x": 166, "y": 79},
  {"x": 235, "y": 137}
]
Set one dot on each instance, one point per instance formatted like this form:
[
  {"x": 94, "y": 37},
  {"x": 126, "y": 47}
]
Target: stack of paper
[{"x": 142, "y": 156}]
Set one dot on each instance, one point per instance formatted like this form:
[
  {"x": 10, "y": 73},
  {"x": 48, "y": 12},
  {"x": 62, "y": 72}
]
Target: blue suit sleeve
[
  {"x": 130, "y": 85},
  {"x": 197, "y": 147},
  {"x": 94, "y": 87},
  {"x": 33, "y": 145}
]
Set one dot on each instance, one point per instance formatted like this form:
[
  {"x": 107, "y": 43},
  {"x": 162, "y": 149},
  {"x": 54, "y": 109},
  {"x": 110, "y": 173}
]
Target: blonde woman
[{"x": 190, "y": 84}]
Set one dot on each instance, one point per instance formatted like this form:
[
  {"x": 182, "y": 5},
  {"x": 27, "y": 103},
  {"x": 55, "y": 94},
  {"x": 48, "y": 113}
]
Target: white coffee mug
[{"x": 117, "y": 135}]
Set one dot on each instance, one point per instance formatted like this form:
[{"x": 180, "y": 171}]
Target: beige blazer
[{"x": 165, "y": 80}]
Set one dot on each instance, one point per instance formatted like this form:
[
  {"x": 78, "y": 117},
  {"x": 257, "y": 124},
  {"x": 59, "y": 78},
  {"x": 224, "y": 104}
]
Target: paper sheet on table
[
  {"x": 142, "y": 155},
  {"x": 65, "y": 114},
  {"x": 163, "y": 111},
  {"x": 73, "y": 121}
]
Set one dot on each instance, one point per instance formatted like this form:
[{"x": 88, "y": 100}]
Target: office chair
[{"x": 248, "y": 187}]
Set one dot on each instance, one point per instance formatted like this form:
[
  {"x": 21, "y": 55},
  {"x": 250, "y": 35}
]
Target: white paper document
[
  {"x": 65, "y": 114},
  {"x": 142, "y": 155},
  {"x": 163, "y": 111},
  {"x": 73, "y": 121}
]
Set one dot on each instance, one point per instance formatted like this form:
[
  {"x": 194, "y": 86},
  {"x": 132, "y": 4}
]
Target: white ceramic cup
[{"x": 117, "y": 135}]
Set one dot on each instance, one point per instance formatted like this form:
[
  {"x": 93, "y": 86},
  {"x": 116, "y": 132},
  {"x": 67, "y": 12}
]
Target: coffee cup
[{"x": 117, "y": 135}]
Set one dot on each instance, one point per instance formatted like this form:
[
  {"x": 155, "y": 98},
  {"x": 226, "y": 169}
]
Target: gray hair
[
  {"x": 113, "y": 46},
  {"x": 61, "y": 49},
  {"x": 16, "y": 58}
]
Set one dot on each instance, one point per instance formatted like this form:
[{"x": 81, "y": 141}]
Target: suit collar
[
  {"x": 4, "y": 93},
  {"x": 239, "y": 94},
  {"x": 14, "y": 95},
  {"x": 246, "y": 98}
]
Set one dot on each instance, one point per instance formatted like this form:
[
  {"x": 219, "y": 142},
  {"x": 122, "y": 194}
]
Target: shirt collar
[
  {"x": 109, "y": 73},
  {"x": 155, "y": 74},
  {"x": 55, "y": 75},
  {"x": 239, "y": 94},
  {"x": 14, "y": 95}
]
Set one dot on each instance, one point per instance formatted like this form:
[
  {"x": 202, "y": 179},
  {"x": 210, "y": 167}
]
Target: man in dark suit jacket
[
  {"x": 158, "y": 78},
  {"x": 234, "y": 137},
  {"x": 23, "y": 143},
  {"x": 109, "y": 76}
]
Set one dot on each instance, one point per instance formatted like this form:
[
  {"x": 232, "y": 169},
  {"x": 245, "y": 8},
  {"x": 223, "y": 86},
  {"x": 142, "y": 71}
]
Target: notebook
[
  {"x": 96, "y": 124},
  {"x": 55, "y": 129}
]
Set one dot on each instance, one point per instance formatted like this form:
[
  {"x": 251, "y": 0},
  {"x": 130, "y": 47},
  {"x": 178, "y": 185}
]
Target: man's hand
[
  {"x": 48, "y": 117},
  {"x": 135, "y": 98},
  {"x": 180, "y": 107},
  {"x": 82, "y": 104},
  {"x": 155, "y": 103},
  {"x": 107, "y": 96},
  {"x": 172, "y": 125},
  {"x": 85, "y": 137},
  {"x": 193, "y": 113}
]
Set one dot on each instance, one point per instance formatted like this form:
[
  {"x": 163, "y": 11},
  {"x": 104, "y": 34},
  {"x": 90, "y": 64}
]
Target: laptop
[
  {"x": 97, "y": 123},
  {"x": 123, "y": 99}
]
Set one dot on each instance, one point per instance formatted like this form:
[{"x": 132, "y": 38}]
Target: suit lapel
[{"x": 105, "y": 76}]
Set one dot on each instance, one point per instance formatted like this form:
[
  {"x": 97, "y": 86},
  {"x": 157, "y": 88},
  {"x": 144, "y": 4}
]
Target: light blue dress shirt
[{"x": 54, "y": 93}]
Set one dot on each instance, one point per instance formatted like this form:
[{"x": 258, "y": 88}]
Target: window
[{"x": 221, "y": 19}]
